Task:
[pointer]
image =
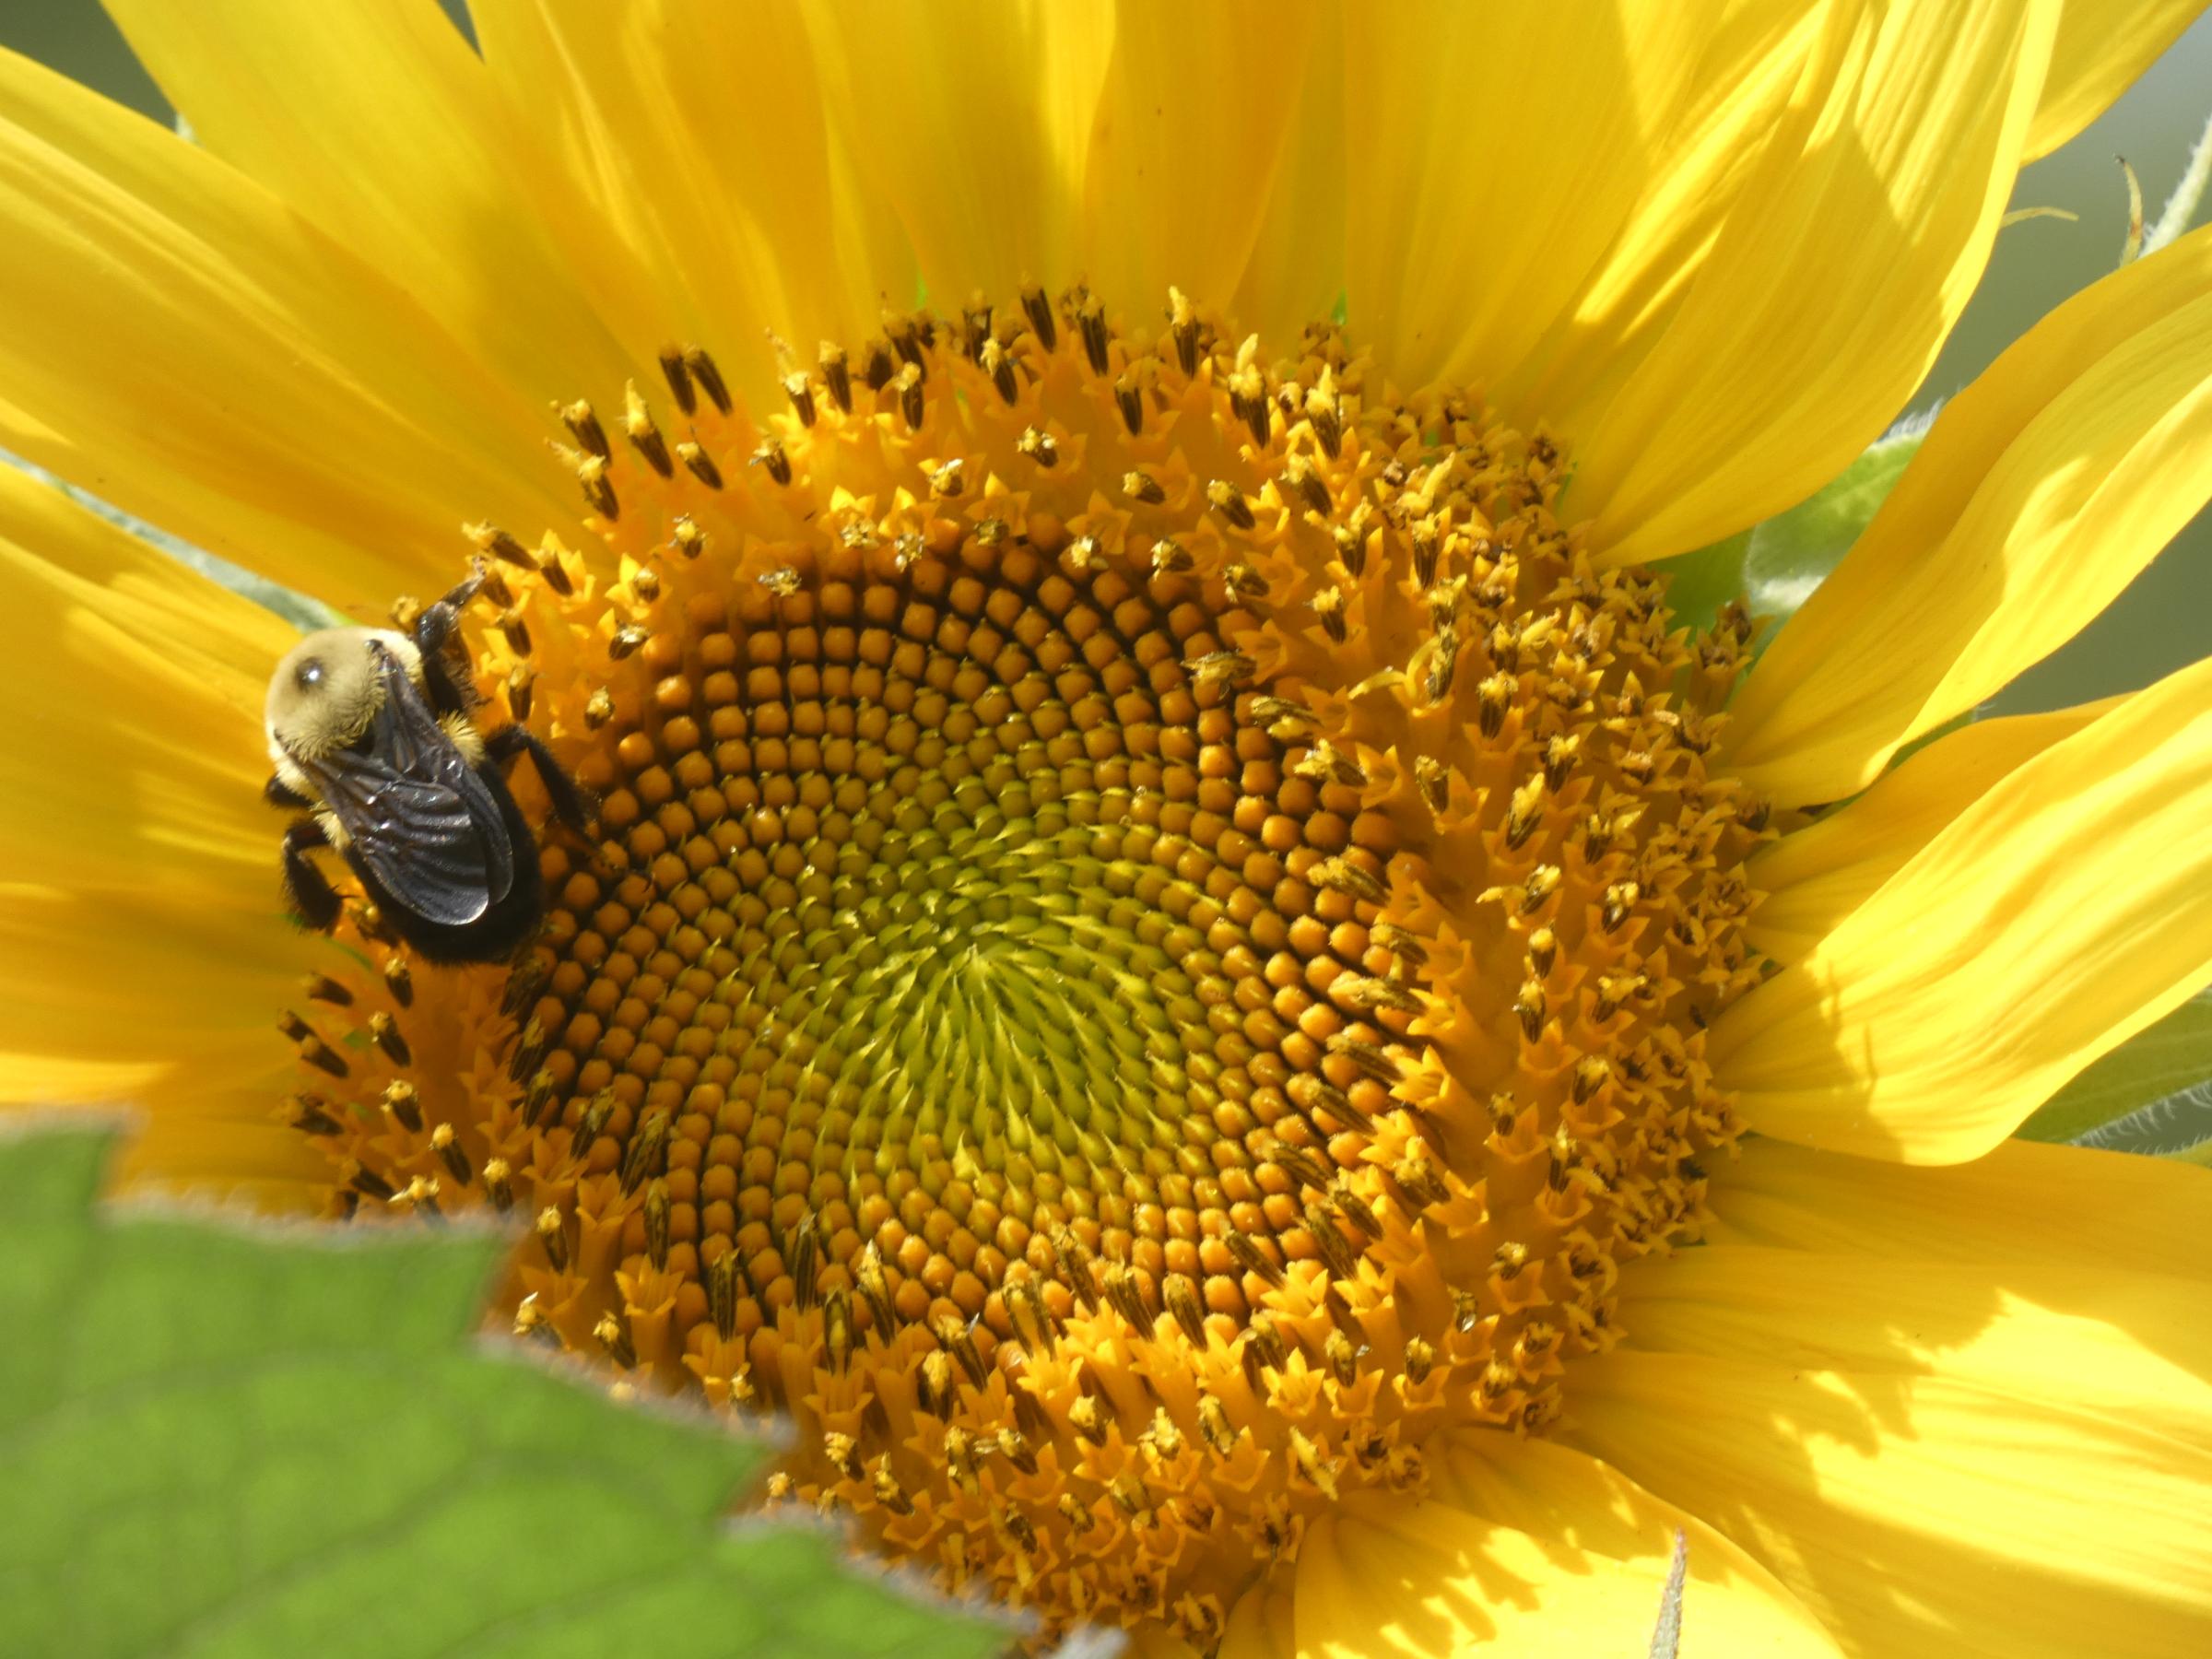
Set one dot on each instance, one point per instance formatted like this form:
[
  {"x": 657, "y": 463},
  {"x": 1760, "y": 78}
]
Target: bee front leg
[
  {"x": 571, "y": 806},
  {"x": 278, "y": 793},
  {"x": 435, "y": 624},
  {"x": 306, "y": 890}
]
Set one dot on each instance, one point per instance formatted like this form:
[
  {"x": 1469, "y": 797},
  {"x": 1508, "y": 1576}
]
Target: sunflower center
[{"x": 1147, "y": 950}]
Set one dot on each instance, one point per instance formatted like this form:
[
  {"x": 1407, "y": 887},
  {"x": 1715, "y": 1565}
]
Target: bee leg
[
  {"x": 278, "y": 793},
  {"x": 310, "y": 895},
  {"x": 571, "y": 806},
  {"x": 447, "y": 682}
]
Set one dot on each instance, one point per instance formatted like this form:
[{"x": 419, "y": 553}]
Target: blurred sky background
[{"x": 2161, "y": 623}]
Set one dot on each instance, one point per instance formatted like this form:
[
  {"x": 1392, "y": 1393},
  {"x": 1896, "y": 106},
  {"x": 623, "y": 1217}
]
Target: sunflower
[{"x": 1176, "y": 943}]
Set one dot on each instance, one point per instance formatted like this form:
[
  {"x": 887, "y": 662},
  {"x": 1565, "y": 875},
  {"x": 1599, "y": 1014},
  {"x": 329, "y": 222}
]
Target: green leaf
[
  {"x": 2155, "y": 1075},
  {"x": 221, "y": 1443},
  {"x": 1773, "y": 567}
]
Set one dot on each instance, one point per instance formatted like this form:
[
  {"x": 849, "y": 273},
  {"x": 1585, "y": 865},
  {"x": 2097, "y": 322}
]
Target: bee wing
[{"x": 427, "y": 826}]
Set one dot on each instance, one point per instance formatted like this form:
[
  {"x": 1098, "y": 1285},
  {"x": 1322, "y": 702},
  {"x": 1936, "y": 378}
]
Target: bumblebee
[{"x": 371, "y": 736}]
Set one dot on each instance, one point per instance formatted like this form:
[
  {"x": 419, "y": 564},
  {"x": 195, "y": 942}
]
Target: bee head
[{"x": 325, "y": 690}]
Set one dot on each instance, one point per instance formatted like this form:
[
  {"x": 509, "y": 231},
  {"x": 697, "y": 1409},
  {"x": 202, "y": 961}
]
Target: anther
[
  {"x": 679, "y": 379},
  {"x": 1325, "y": 416},
  {"x": 1620, "y": 899},
  {"x": 626, "y": 641},
  {"x": 403, "y": 1105},
  {"x": 844, "y": 1452},
  {"x": 1075, "y": 1268},
  {"x": 552, "y": 570},
  {"x": 1525, "y": 813},
  {"x": 1542, "y": 882},
  {"x": 614, "y": 1337},
  {"x": 658, "y": 1217},
  {"x": 1341, "y": 876},
  {"x": 1039, "y": 447},
  {"x": 1180, "y": 1294},
  {"x": 645, "y": 585},
  {"x": 1228, "y": 668},
  {"x": 647, "y": 1150},
  {"x": 521, "y": 680},
  {"x": 1591, "y": 1072},
  {"x": 1492, "y": 699},
  {"x": 908, "y": 382},
  {"x": 553, "y": 1234},
  {"x": 1141, "y": 486},
  {"x": 311, "y": 1115},
  {"x": 1367, "y": 993},
  {"x": 1408, "y": 947},
  {"x": 385, "y": 1030},
  {"x": 877, "y": 365},
  {"x": 1125, "y": 1293},
  {"x": 1302, "y": 479},
  {"x": 491, "y": 539},
  {"x": 1334, "y": 1249},
  {"x": 1215, "y": 1428},
  {"x": 1037, "y": 306},
  {"x": 1228, "y": 500},
  {"x": 1171, "y": 558},
  {"x": 365, "y": 1180},
  {"x": 700, "y": 464},
  {"x": 591, "y": 1123},
  {"x": 1310, "y": 1095},
  {"x": 1434, "y": 782},
  {"x": 709, "y": 377},
  {"x": 1531, "y": 1007},
  {"x": 321, "y": 987},
  {"x": 689, "y": 539},
  {"x": 947, "y": 480},
  {"x": 598, "y": 709},
  {"x": 1351, "y": 550},
  {"x": 515, "y": 628},
  {"x": 1182, "y": 325},
  {"x": 803, "y": 1250},
  {"x": 584, "y": 426},
  {"x": 1090, "y": 323},
  {"x": 998, "y": 362},
  {"x": 1014, "y": 1446},
  {"x": 499, "y": 1183},
  {"x": 598, "y": 490},
  {"x": 953, "y": 1337},
  {"x": 1130, "y": 400},
  {"x": 531, "y": 1322},
  {"x": 1312, "y": 1464},
  {"x": 1241, "y": 581},
  {"x": 1342, "y": 1358},
  {"x": 1328, "y": 604},
  {"x": 888, "y": 1493},
  {"x": 933, "y": 1384},
  {"x": 839, "y": 1338},
  {"x": 644, "y": 437},
  {"x": 1420, "y": 1359},
  {"x": 722, "y": 1293},
  {"x": 1248, "y": 1255},
  {"x": 801, "y": 392},
  {"x": 837, "y": 374}
]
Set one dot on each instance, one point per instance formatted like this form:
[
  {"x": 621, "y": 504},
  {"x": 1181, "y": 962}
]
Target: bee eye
[{"x": 308, "y": 674}]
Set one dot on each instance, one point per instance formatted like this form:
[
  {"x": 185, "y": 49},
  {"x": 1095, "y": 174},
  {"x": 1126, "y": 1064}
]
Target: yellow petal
[
  {"x": 1264, "y": 1623},
  {"x": 1295, "y": 275},
  {"x": 1814, "y": 876},
  {"x": 1468, "y": 236},
  {"x": 1979, "y": 1425},
  {"x": 2022, "y": 1205},
  {"x": 2059, "y": 915},
  {"x": 704, "y": 214},
  {"x": 2137, "y": 1342},
  {"x": 205, "y": 361},
  {"x": 1840, "y": 266},
  {"x": 1703, "y": 156},
  {"x": 1191, "y": 131},
  {"x": 2039, "y": 493},
  {"x": 1381, "y": 1574},
  {"x": 377, "y": 124},
  {"x": 143, "y": 955},
  {"x": 1136, "y": 146},
  {"x": 2103, "y": 46}
]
